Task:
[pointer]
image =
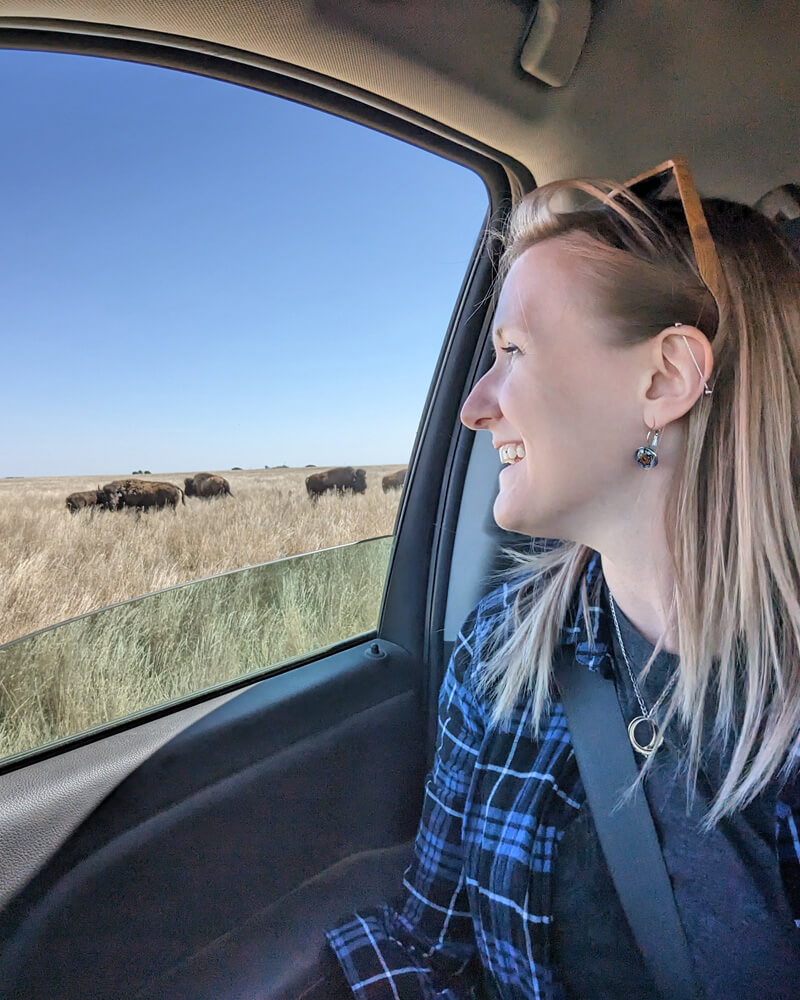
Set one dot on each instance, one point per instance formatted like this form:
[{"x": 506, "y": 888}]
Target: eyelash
[{"x": 511, "y": 350}]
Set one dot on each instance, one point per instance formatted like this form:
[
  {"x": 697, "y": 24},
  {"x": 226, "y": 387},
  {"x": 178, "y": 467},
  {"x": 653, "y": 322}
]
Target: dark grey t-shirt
[{"x": 727, "y": 883}]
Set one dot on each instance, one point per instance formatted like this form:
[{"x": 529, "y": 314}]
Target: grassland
[{"x": 55, "y": 566}]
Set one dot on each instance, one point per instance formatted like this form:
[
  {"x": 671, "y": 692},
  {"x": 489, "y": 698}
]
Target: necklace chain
[
  {"x": 639, "y": 698},
  {"x": 643, "y": 732}
]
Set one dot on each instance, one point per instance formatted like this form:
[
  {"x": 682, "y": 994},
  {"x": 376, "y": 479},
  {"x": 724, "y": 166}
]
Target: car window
[{"x": 225, "y": 309}]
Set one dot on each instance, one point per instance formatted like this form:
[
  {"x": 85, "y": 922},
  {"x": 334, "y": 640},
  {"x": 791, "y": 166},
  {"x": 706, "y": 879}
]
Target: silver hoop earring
[{"x": 646, "y": 455}]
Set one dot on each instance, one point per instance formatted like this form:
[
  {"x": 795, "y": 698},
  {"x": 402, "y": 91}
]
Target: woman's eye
[{"x": 510, "y": 349}]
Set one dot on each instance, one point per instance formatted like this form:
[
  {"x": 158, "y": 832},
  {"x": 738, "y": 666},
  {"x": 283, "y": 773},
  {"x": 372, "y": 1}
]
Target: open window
[{"x": 227, "y": 306}]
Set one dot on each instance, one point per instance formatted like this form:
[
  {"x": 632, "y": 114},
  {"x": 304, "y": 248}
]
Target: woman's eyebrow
[{"x": 500, "y": 333}]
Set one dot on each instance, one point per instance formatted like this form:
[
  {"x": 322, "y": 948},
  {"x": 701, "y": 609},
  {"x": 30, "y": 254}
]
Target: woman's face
[{"x": 564, "y": 398}]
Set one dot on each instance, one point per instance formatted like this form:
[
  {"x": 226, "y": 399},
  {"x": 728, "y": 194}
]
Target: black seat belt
[{"x": 627, "y": 835}]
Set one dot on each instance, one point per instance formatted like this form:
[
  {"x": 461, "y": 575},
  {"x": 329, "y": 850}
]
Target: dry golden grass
[{"x": 55, "y": 565}]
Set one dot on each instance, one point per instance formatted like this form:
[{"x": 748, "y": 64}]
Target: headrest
[{"x": 782, "y": 206}]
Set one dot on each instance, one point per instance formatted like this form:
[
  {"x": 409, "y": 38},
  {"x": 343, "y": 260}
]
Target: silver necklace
[{"x": 643, "y": 731}]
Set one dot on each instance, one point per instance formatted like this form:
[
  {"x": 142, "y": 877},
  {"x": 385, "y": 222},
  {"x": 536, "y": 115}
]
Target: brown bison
[
  {"x": 141, "y": 494},
  {"x": 339, "y": 479},
  {"x": 206, "y": 484},
  {"x": 77, "y": 501},
  {"x": 394, "y": 481}
]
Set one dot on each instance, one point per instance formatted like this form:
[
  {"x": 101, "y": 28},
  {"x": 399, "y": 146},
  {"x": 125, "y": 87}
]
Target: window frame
[{"x": 415, "y": 596}]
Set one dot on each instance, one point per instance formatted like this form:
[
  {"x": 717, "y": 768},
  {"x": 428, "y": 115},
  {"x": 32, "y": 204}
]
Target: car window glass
[{"x": 223, "y": 312}]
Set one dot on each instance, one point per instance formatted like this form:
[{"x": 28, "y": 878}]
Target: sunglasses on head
[{"x": 672, "y": 179}]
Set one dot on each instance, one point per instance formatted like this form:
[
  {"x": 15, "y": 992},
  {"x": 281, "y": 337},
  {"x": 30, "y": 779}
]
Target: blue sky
[{"x": 195, "y": 275}]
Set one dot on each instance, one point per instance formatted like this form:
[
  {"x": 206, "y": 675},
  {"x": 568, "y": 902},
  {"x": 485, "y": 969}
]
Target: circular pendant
[{"x": 644, "y": 735}]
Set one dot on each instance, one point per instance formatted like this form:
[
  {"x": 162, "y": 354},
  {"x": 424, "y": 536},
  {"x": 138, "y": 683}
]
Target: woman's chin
[
  {"x": 507, "y": 513},
  {"x": 513, "y": 512}
]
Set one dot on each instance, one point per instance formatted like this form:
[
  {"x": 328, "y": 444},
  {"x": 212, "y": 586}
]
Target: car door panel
[
  {"x": 281, "y": 951},
  {"x": 178, "y": 856},
  {"x": 43, "y": 803}
]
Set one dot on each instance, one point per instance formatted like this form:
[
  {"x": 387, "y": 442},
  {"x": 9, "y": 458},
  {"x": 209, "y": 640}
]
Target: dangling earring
[{"x": 646, "y": 455}]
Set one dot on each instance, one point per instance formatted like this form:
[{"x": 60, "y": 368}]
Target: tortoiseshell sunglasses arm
[{"x": 705, "y": 251}]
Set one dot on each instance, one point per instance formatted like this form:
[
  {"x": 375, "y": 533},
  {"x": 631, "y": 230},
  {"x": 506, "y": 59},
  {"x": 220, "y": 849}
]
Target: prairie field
[{"x": 56, "y": 566}]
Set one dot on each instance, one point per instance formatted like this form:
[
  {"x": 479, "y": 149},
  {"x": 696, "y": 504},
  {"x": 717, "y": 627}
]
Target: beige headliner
[{"x": 718, "y": 82}]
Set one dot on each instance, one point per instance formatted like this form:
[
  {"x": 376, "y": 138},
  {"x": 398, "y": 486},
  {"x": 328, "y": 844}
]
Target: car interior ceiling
[{"x": 655, "y": 79}]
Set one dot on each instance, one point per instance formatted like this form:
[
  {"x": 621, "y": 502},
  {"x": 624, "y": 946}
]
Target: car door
[{"x": 200, "y": 845}]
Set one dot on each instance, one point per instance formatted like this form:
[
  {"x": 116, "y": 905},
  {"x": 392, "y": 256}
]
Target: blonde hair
[{"x": 732, "y": 521}]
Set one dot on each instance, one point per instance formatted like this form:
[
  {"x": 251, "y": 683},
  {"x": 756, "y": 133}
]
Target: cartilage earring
[
  {"x": 707, "y": 390},
  {"x": 646, "y": 455}
]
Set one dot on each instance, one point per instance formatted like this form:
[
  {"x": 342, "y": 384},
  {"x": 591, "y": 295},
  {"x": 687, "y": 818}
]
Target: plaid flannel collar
[{"x": 593, "y": 643}]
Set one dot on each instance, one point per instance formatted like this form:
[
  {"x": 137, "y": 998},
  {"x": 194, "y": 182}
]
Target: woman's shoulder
[
  {"x": 494, "y": 610},
  {"x": 485, "y": 627},
  {"x": 498, "y": 604}
]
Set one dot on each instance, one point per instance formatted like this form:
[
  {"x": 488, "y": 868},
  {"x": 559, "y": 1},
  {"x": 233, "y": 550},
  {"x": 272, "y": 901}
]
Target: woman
[{"x": 645, "y": 402}]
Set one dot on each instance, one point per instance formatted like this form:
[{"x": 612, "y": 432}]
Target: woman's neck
[{"x": 642, "y": 587}]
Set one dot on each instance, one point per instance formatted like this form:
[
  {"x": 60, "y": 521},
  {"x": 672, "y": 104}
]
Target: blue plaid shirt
[{"x": 497, "y": 803}]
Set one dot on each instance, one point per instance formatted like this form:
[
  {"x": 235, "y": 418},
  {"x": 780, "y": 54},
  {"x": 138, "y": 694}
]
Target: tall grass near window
[{"x": 158, "y": 648}]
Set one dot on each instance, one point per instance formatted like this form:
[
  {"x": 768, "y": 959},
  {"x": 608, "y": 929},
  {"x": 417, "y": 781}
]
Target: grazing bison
[
  {"x": 141, "y": 494},
  {"x": 77, "y": 501},
  {"x": 206, "y": 484},
  {"x": 394, "y": 481},
  {"x": 339, "y": 479}
]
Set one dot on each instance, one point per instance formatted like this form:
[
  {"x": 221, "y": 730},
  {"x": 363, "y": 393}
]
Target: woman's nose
[{"x": 480, "y": 407}]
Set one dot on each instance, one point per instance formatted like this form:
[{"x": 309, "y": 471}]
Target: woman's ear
[{"x": 681, "y": 363}]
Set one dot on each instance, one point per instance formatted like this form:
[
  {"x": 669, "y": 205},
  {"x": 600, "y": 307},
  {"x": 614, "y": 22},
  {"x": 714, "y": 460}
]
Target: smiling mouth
[{"x": 510, "y": 454}]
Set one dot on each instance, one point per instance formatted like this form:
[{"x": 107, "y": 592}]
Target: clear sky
[{"x": 195, "y": 275}]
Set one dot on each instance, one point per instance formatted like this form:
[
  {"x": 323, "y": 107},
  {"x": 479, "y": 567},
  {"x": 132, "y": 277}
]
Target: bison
[
  {"x": 339, "y": 479},
  {"x": 394, "y": 481},
  {"x": 141, "y": 494},
  {"x": 77, "y": 501},
  {"x": 207, "y": 484}
]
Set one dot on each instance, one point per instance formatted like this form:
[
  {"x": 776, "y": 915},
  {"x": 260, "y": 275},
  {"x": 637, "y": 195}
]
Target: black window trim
[{"x": 271, "y": 76}]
